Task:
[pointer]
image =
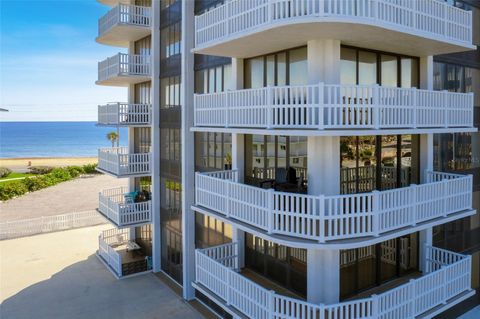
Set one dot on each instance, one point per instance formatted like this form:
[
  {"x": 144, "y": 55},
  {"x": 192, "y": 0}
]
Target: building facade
[{"x": 296, "y": 159}]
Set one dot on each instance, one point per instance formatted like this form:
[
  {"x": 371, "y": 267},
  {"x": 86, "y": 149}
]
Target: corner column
[{"x": 323, "y": 266}]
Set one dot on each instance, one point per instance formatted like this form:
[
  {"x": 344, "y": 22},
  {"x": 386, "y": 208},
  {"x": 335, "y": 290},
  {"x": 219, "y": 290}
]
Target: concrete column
[
  {"x": 188, "y": 144},
  {"x": 323, "y": 162},
  {"x": 323, "y": 61},
  {"x": 323, "y": 276},
  {"x": 425, "y": 238},
  {"x": 426, "y": 72},
  {"x": 323, "y": 266},
  {"x": 155, "y": 131}
]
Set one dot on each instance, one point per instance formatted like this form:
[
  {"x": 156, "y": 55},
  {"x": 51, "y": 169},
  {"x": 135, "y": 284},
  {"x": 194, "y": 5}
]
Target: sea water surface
[{"x": 54, "y": 139}]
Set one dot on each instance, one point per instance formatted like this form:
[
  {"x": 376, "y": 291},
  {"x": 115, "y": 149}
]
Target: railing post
[
  {"x": 271, "y": 304},
  {"x": 227, "y": 198},
  {"x": 376, "y": 211},
  {"x": 321, "y": 104},
  {"x": 411, "y": 298},
  {"x": 225, "y": 105},
  {"x": 415, "y": 107},
  {"x": 269, "y": 107},
  {"x": 321, "y": 8},
  {"x": 196, "y": 188},
  {"x": 321, "y": 216},
  {"x": 445, "y": 107},
  {"x": 376, "y": 105},
  {"x": 413, "y": 201},
  {"x": 270, "y": 210},
  {"x": 444, "y": 185},
  {"x": 375, "y": 308}
]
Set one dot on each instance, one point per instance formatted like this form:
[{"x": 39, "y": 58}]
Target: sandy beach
[{"x": 21, "y": 164}]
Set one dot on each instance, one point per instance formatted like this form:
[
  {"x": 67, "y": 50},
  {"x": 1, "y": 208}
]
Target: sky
[{"x": 48, "y": 60}]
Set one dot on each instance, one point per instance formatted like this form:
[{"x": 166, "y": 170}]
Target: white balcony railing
[
  {"x": 113, "y": 206},
  {"x": 107, "y": 241},
  {"x": 123, "y": 64},
  {"x": 327, "y": 218},
  {"x": 448, "y": 276},
  {"x": 325, "y": 106},
  {"x": 124, "y": 14},
  {"x": 434, "y": 18},
  {"x": 119, "y": 162},
  {"x": 124, "y": 114}
]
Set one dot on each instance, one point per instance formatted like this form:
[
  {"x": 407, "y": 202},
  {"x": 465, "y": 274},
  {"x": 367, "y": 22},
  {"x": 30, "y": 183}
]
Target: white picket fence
[
  {"x": 329, "y": 106},
  {"x": 123, "y": 64},
  {"x": 326, "y": 218},
  {"x": 112, "y": 205},
  {"x": 107, "y": 241},
  {"x": 448, "y": 276},
  {"x": 124, "y": 114},
  {"x": 118, "y": 161},
  {"x": 124, "y": 14},
  {"x": 46, "y": 224},
  {"x": 432, "y": 18}
]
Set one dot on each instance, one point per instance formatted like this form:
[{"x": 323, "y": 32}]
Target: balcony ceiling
[
  {"x": 110, "y": 3},
  {"x": 283, "y": 35},
  {"x": 121, "y": 35},
  {"x": 123, "y": 80}
]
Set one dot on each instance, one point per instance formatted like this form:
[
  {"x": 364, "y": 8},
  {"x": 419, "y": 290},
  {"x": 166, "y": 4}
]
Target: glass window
[
  {"x": 367, "y": 68},
  {"x": 409, "y": 73},
  {"x": 270, "y": 70},
  {"x": 389, "y": 68},
  {"x": 348, "y": 72},
  {"x": 254, "y": 73},
  {"x": 298, "y": 66},
  {"x": 281, "y": 69}
]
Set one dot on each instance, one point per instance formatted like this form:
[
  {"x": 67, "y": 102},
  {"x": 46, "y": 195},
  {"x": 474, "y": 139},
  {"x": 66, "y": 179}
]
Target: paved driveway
[{"x": 57, "y": 275}]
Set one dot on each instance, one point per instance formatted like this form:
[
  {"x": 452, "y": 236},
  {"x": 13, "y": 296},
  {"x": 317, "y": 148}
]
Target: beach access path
[{"x": 78, "y": 195}]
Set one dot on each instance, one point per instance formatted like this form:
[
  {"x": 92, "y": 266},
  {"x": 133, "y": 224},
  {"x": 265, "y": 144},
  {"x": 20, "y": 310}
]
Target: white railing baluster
[{"x": 344, "y": 216}]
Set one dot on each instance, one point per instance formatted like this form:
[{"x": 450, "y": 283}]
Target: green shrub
[
  {"x": 90, "y": 169},
  {"x": 12, "y": 189},
  {"x": 75, "y": 171},
  {"x": 40, "y": 169},
  {"x": 4, "y": 172}
]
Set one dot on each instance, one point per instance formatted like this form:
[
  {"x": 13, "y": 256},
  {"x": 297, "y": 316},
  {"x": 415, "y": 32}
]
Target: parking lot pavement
[{"x": 57, "y": 275}]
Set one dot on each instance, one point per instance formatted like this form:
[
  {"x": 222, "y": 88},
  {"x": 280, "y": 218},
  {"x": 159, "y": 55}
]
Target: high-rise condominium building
[{"x": 313, "y": 159}]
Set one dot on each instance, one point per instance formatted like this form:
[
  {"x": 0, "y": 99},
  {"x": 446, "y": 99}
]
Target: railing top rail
[{"x": 204, "y": 250}]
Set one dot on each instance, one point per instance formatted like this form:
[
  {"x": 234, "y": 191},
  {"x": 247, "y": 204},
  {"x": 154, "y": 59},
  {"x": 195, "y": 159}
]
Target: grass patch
[
  {"x": 16, "y": 175},
  {"x": 31, "y": 183}
]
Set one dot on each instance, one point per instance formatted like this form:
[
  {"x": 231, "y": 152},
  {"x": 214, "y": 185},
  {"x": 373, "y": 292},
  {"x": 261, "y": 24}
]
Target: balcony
[
  {"x": 124, "y": 114},
  {"x": 445, "y": 282},
  {"x": 109, "y": 3},
  {"x": 124, "y": 69},
  {"x": 250, "y": 28},
  {"x": 342, "y": 221},
  {"x": 121, "y": 255},
  {"x": 117, "y": 161},
  {"x": 123, "y": 208},
  {"x": 334, "y": 108},
  {"x": 123, "y": 24}
]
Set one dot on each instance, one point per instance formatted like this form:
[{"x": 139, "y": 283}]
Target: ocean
[{"x": 54, "y": 139}]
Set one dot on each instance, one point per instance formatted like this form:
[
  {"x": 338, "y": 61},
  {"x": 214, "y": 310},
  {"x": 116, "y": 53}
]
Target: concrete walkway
[
  {"x": 58, "y": 276},
  {"x": 80, "y": 194}
]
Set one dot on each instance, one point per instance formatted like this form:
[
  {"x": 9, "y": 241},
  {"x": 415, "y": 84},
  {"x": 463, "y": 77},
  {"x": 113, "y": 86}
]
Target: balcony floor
[
  {"x": 121, "y": 35},
  {"x": 123, "y": 80}
]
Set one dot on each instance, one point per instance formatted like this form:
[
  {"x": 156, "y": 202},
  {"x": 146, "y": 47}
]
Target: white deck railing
[
  {"x": 126, "y": 15},
  {"x": 123, "y": 64},
  {"x": 325, "y": 106},
  {"x": 118, "y": 161},
  {"x": 124, "y": 114},
  {"x": 326, "y": 218},
  {"x": 431, "y": 18},
  {"x": 107, "y": 241},
  {"x": 448, "y": 275},
  {"x": 112, "y": 205}
]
